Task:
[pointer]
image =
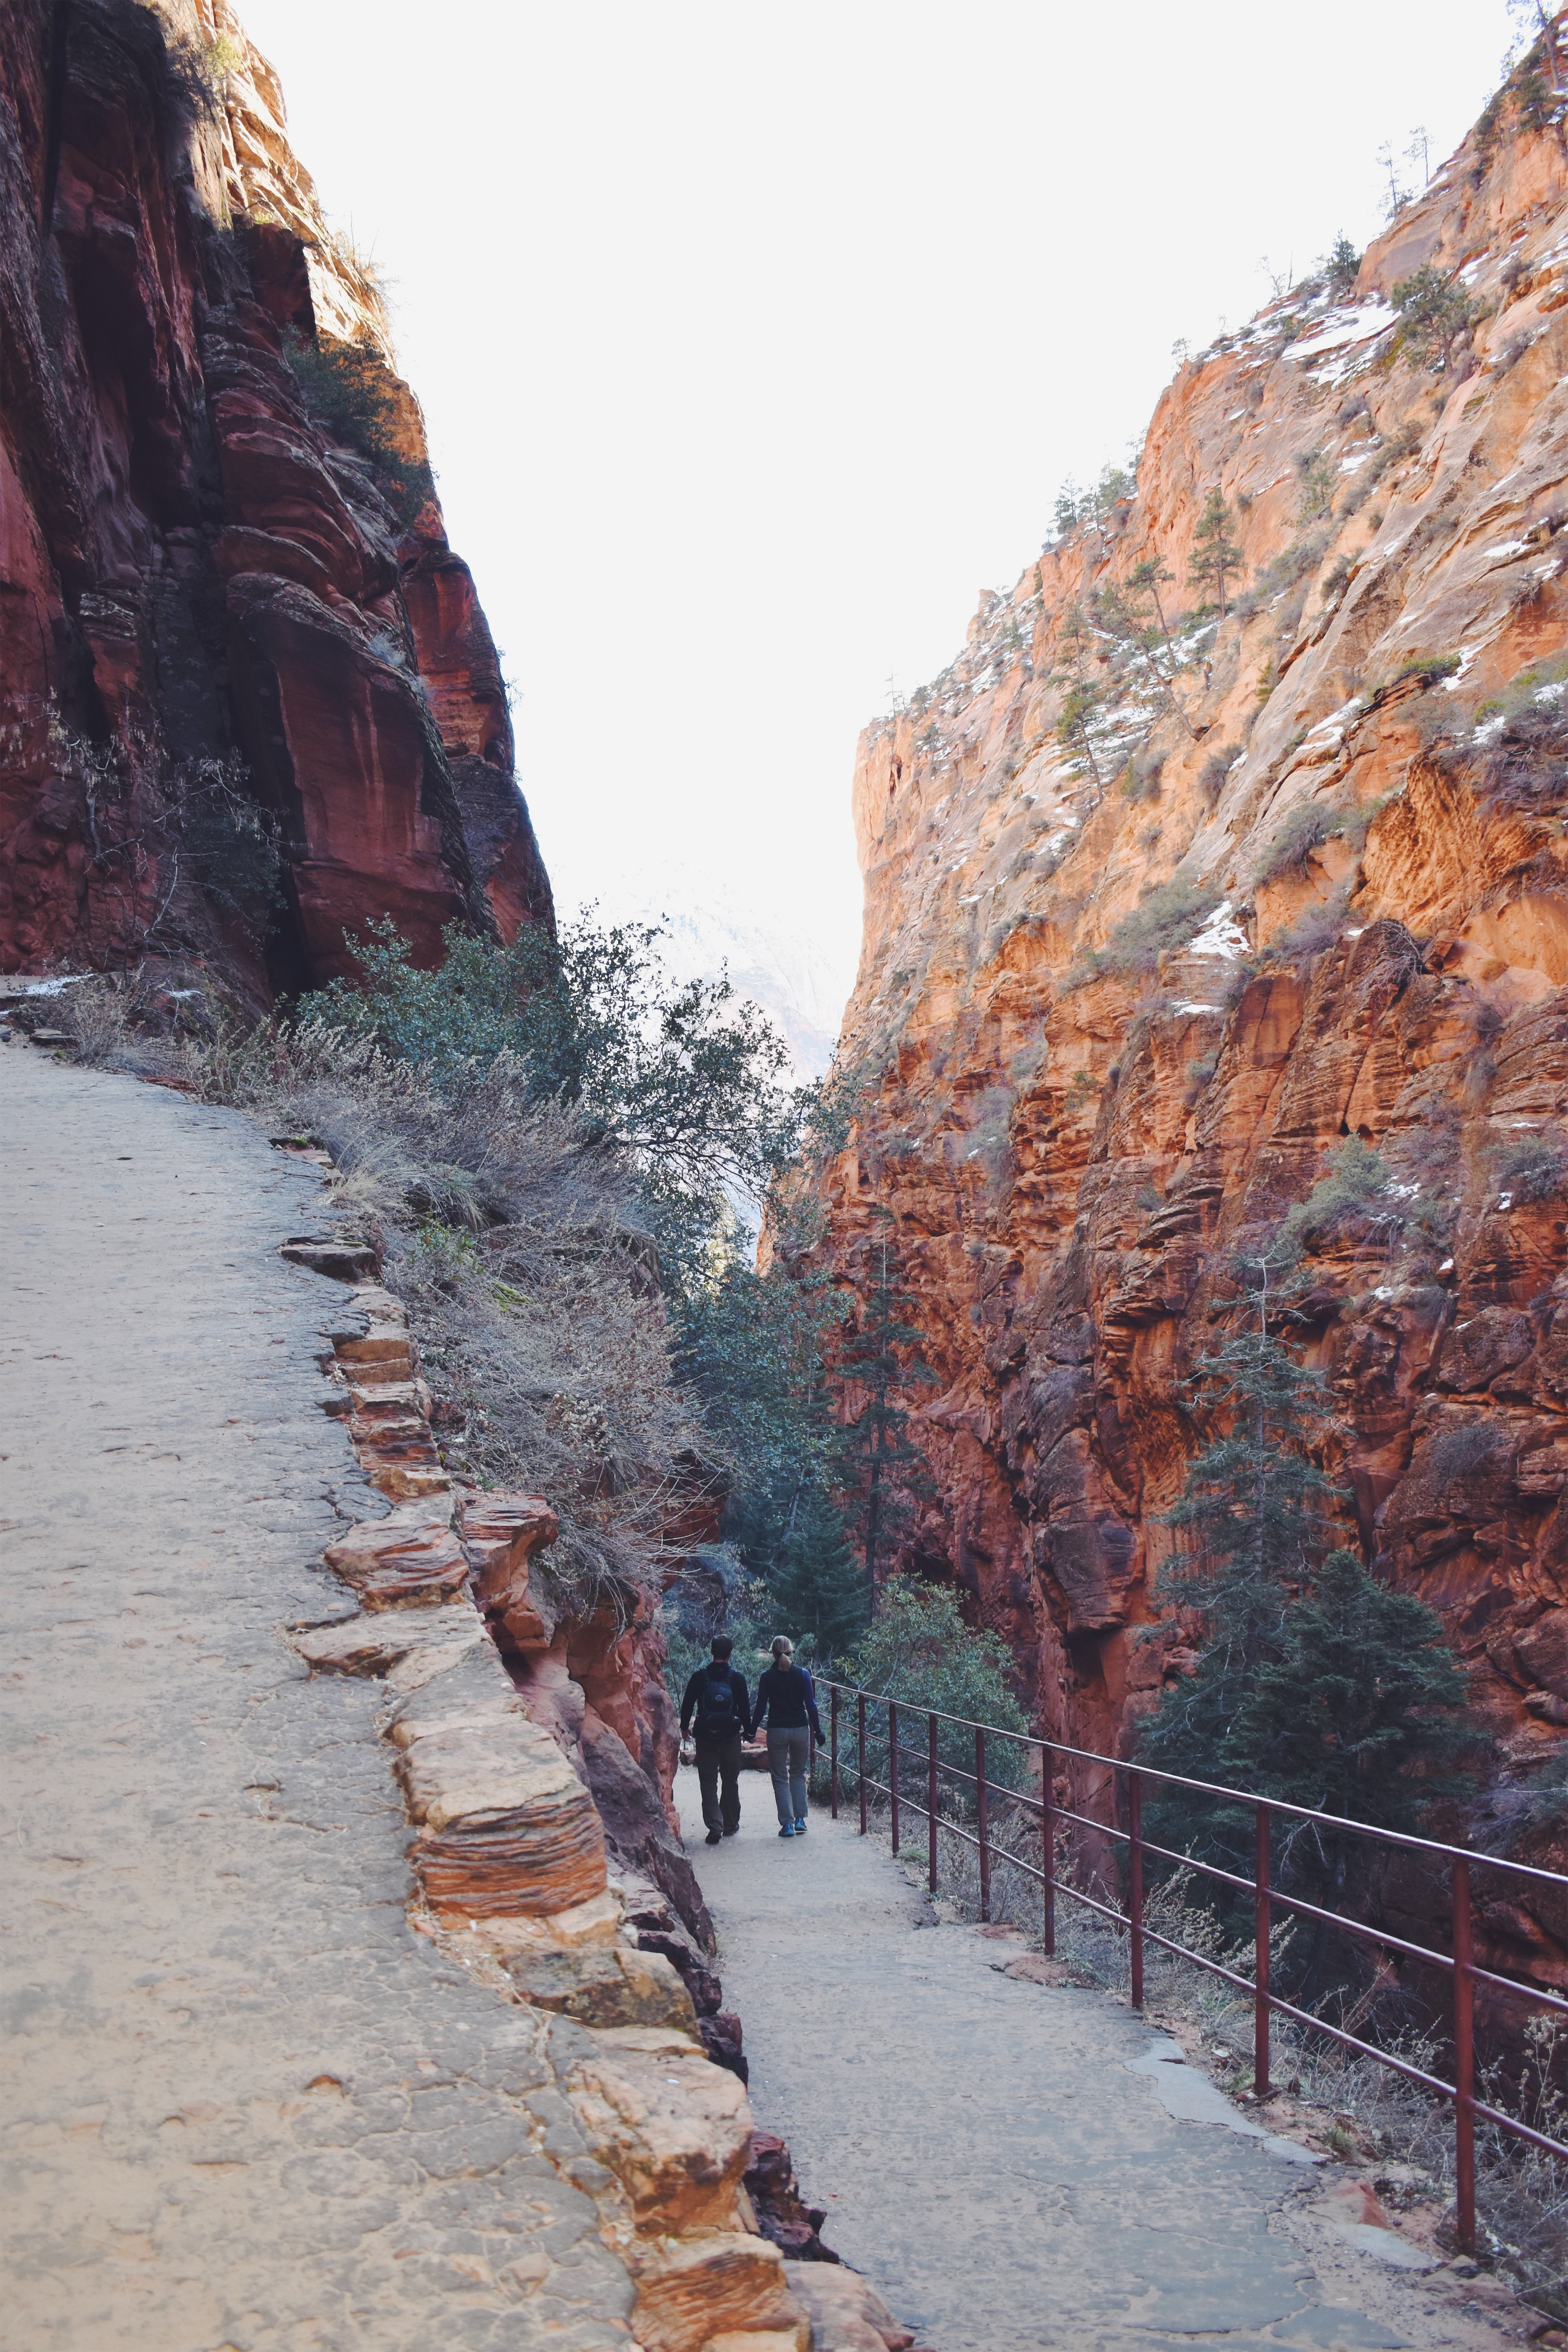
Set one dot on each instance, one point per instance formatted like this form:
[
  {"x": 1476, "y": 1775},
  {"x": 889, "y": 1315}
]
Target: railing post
[
  {"x": 833, "y": 1714},
  {"x": 861, "y": 1735},
  {"x": 930, "y": 1797},
  {"x": 1048, "y": 1834},
  {"x": 893, "y": 1769},
  {"x": 1464, "y": 2064},
  {"x": 980, "y": 1823},
  {"x": 1261, "y": 2087},
  {"x": 1135, "y": 1885}
]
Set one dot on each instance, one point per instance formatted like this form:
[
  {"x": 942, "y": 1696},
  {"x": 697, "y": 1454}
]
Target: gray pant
[{"x": 789, "y": 1761}]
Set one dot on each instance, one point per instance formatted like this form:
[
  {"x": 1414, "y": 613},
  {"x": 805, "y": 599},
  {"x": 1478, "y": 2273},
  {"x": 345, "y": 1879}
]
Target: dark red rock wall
[{"x": 189, "y": 568}]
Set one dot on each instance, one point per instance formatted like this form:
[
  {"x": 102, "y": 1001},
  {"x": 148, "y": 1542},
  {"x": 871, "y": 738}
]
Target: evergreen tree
[
  {"x": 1085, "y": 696},
  {"x": 1315, "y": 1684},
  {"x": 817, "y": 1591},
  {"x": 1340, "y": 266},
  {"x": 749, "y": 1346},
  {"x": 1363, "y": 1688},
  {"x": 883, "y": 1471},
  {"x": 1217, "y": 558},
  {"x": 1131, "y": 613}
]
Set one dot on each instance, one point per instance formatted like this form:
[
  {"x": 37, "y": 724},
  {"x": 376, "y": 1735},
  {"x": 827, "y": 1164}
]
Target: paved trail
[
  {"x": 245, "y": 2105},
  {"x": 1002, "y": 2159}
]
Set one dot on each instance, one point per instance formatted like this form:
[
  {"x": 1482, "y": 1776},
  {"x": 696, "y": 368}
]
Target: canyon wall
[
  {"x": 234, "y": 643},
  {"x": 1112, "y": 1020}
]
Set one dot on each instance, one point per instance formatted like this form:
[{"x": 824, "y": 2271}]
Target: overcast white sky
[{"x": 754, "y": 340}]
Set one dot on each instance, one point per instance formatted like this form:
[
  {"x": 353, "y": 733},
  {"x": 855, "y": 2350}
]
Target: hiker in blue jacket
[
  {"x": 718, "y": 1704},
  {"x": 787, "y": 1704}
]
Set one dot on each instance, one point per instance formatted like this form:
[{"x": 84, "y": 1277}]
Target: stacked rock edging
[{"x": 513, "y": 1879}]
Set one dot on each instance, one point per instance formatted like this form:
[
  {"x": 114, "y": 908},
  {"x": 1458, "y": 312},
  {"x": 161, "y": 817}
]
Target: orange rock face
[
  {"x": 1083, "y": 1100},
  {"x": 192, "y": 568}
]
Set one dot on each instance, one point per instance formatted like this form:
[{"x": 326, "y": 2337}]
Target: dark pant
[{"x": 716, "y": 1762}]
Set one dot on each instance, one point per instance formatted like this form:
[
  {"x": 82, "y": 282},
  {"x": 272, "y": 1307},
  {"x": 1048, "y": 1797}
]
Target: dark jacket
[
  {"x": 786, "y": 1700},
  {"x": 689, "y": 1705}
]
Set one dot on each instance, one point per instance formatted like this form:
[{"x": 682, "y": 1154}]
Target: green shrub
[
  {"x": 345, "y": 387},
  {"x": 1340, "y": 269},
  {"x": 1167, "y": 918},
  {"x": 1318, "y": 476},
  {"x": 1531, "y": 1167},
  {"x": 683, "y": 1087},
  {"x": 1291, "y": 844},
  {"x": 1434, "y": 310},
  {"x": 1360, "y": 1182},
  {"x": 920, "y": 1651},
  {"x": 1429, "y": 667}
]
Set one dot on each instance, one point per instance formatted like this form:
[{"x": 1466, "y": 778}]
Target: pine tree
[
  {"x": 883, "y": 1470},
  {"x": 1217, "y": 558},
  {"x": 1085, "y": 696},
  {"x": 1253, "y": 1502},
  {"x": 1363, "y": 1688},
  {"x": 1131, "y": 613},
  {"x": 1315, "y": 1684},
  {"x": 818, "y": 1592}
]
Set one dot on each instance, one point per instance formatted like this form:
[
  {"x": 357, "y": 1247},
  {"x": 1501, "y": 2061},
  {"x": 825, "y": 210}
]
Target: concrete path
[
  {"x": 244, "y": 2106},
  {"x": 1014, "y": 2165}
]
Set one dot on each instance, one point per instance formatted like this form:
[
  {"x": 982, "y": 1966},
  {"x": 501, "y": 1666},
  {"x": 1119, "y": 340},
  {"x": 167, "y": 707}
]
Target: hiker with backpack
[
  {"x": 716, "y": 1711},
  {"x": 786, "y": 1705}
]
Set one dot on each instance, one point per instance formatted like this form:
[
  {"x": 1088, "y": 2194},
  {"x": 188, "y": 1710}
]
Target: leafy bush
[
  {"x": 921, "y": 1653},
  {"x": 1429, "y": 667},
  {"x": 1524, "y": 762}
]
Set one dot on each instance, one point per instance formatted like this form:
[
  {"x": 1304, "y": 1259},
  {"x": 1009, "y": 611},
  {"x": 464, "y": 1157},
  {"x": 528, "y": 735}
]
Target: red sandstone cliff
[
  {"x": 199, "y": 581},
  {"x": 1367, "y": 934}
]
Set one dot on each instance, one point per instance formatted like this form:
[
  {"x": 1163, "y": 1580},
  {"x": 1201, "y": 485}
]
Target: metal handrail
[{"x": 1460, "y": 1963}]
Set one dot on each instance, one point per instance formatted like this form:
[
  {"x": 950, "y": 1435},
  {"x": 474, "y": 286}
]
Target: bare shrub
[{"x": 531, "y": 1277}]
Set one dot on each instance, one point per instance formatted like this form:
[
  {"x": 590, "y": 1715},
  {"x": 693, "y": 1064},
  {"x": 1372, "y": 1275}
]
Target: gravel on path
[
  {"x": 1015, "y": 2166},
  {"x": 246, "y": 2106}
]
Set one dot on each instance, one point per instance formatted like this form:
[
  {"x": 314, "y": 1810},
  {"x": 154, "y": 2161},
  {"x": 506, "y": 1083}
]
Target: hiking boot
[
  {"x": 788, "y": 1830},
  {"x": 800, "y": 1829},
  {"x": 714, "y": 1836},
  {"x": 735, "y": 1832}
]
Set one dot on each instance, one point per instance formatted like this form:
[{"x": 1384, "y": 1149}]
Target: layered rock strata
[
  {"x": 509, "y": 1858},
  {"x": 1156, "y": 919},
  {"x": 210, "y": 600}
]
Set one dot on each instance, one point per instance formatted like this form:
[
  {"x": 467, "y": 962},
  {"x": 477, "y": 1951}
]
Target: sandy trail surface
[
  {"x": 245, "y": 2104},
  {"x": 1017, "y": 2167}
]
